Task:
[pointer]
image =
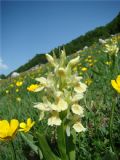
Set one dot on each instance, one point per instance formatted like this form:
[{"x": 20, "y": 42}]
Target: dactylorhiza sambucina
[
  {"x": 111, "y": 47},
  {"x": 63, "y": 91}
]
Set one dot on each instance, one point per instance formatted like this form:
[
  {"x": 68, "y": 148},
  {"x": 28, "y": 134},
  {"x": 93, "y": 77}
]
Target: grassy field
[{"x": 101, "y": 141}]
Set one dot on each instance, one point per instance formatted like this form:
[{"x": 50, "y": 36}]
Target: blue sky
[{"x": 31, "y": 27}]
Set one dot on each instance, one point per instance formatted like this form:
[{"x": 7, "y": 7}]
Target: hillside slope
[{"x": 75, "y": 45}]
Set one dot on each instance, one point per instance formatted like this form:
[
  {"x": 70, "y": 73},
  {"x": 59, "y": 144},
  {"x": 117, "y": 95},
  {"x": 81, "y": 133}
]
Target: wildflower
[
  {"x": 86, "y": 47},
  {"x": 54, "y": 120},
  {"x": 95, "y": 61},
  {"x": 102, "y": 41},
  {"x": 44, "y": 82},
  {"x": 43, "y": 106},
  {"x": 61, "y": 72},
  {"x": 50, "y": 59},
  {"x": 84, "y": 69},
  {"x": 19, "y": 83},
  {"x": 91, "y": 64},
  {"x": 74, "y": 61},
  {"x": 88, "y": 81},
  {"x": 33, "y": 88},
  {"x": 80, "y": 87},
  {"x": 11, "y": 85},
  {"x": 8, "y": 130},
  {"x": 80, "y": 73},
  {"x": 25, "y": 127},
  {"x": 89, "y": 56},
  {"x": 77, "y": 109},
  {"x": 111, "y": 47},
  {"x": 108, "y": 62},
  {"x": 62, "y": 92},
  {"x": 79, "y": 127},
  {"x": 90, "y": 60},
  {"x": 7, "y": 91},
  {"x": 75, "y": 69},
  {"x": 60, "y": 106},
  {"x": 17, "y": 90},
  {"x": 116, "y": 84},
  {"x": 86, "y": 60},
  {"x": 18, "y": 99},
  {"x": 77, "y": 97}
]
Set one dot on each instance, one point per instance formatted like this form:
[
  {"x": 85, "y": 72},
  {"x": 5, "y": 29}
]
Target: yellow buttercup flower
[
  {"x": 25, "y": 127},
  {"x": 8, "y": 130},
  {"x": 116, "y": 84},
  {"x": 33, "y": 87},
  {"x": 90, "y": 60},
  {"x": 17, "y": 90},
  {"x": 84, "y": 69},
  {"x": 19, "y": 83},
  {"x": 91, "y": 64}
]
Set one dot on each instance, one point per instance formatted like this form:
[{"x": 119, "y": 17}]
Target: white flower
[
  {"x": 50, "y": 59},
  {"x": 79, "y": 127},
  {"x": 58, "y": 94},
  {"x": 77, "y": 109},
  {"x": 42, "y": 80},
  {"x": 40, "y": 88},
  {"x": 61, "y": 72},
  {"x": 74, "y": 61},
  {"x": 42, "y": 106},
  {"x": 54, "y": 120},
  {"x": 77, "y": 97},
  {"x": 73, "y": 80},
  {"x": 63, "y": 90},
  {"x": 45, "y": 82},
  {"x": 80, "y": 87},
  {"x": 102, "y": 41},
  {"x": 111, "y": 48},
  {"x": 60, "y": 106}
]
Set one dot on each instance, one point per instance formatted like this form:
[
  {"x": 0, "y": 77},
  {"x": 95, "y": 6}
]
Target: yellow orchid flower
[
  {"x": 54, "y": 119},
  {"x": 25, "y": 127},
  {"x": 116, "y": 84},
  {"x": 8, "y": 130},
  {"x": 79, "y": 127}
]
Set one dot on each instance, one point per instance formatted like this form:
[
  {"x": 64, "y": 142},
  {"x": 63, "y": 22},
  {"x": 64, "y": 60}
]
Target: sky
[{"x": 31, "y": 27}]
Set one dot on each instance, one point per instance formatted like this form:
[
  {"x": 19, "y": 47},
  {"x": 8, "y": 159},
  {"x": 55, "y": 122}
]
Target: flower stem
[{"x": 111, "y": 127}]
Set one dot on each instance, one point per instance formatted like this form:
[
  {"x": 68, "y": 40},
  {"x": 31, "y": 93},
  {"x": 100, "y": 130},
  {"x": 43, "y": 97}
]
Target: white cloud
[{"x": 2, "y": 65}]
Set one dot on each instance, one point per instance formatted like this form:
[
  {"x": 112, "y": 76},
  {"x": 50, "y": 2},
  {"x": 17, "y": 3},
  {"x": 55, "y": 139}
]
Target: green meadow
[{"x": 101, "y": 103}]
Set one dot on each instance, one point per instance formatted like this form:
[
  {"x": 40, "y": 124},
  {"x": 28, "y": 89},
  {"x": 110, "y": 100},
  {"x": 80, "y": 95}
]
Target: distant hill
[{"x": 75, "y": 45}]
